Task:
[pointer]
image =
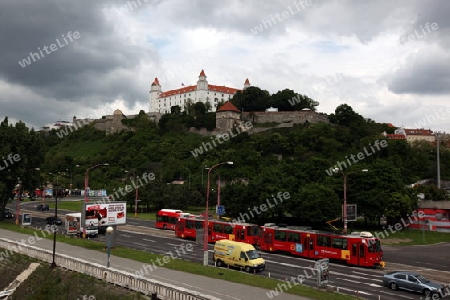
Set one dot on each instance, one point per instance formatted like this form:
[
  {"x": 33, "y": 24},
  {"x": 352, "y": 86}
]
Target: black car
[
  {"x": 42, "y": 207},
  {"x": 53, "y": 221},
  {"x": 8, "y": 214}
]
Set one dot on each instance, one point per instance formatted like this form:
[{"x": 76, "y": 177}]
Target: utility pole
[{"x": 438, "y": 163}]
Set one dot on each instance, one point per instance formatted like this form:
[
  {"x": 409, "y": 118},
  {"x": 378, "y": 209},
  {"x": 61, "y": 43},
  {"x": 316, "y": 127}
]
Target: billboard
[
  {"x": 105, "y": 214},
  {"x": 26, "y": 219},
  {"x": 351, "y": 212}
]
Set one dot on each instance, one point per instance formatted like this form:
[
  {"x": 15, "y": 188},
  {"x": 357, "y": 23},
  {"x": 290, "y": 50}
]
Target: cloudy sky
[{"x": 389, "y": 60}]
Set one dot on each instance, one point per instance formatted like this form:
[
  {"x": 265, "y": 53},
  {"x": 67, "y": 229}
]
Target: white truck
[{"x": 74, "y": 226}]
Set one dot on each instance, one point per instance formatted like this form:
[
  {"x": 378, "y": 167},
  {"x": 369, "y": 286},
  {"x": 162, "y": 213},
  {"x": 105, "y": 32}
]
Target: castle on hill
[{"x": 204, "y": 92}]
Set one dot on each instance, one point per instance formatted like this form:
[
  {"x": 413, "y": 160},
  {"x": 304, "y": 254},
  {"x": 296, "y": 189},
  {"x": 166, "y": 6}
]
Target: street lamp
[
  {"x": 218, "y": 191},
  {"x": 344, "y": 175},
  {"x": 53, "y": 265},
  {"x": 86, "y": 179},
  {"x": 19, "y": 196},
  {"x": 109, "y": 232},
  {"x": 136, "y": 197},
  {"x": 205, "y": 234},
  {"x": 437, "y": 162},
  {"x": 189, "y": 178},
  {"x": 86, "y": 184}
]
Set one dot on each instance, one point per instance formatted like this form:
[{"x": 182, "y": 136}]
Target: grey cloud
[{"x": 424, "y": 73}]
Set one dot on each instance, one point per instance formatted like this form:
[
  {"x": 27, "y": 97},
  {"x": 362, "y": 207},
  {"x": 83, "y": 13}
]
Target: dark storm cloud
[
  {"x": 78, "y": 68},
  {"x": 425, "y": 73}
]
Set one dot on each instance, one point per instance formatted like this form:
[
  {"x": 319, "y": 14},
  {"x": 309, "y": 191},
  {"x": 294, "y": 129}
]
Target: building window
[{"x": 222, "y": 95}]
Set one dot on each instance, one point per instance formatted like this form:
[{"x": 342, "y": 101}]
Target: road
[{"x": 431, "y": 261}]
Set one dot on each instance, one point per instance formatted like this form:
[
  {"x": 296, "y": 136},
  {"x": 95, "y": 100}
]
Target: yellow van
[{"x": 238, "y": 254}]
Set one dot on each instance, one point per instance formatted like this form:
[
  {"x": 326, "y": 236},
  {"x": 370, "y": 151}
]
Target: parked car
[
  {"x": 53, "y": 221},
  {"x": 8, "y": 214},
  {"x": 413, "y": 282},
  {"x": 42, "y": 207}
]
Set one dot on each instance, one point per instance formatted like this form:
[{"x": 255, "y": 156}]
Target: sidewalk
[{"x": 213, "y": 287}]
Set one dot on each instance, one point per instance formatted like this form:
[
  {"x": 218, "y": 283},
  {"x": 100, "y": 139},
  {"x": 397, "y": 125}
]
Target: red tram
[
  {"x": 186, "y": 228},
  {"x": 361, "y": 249}
]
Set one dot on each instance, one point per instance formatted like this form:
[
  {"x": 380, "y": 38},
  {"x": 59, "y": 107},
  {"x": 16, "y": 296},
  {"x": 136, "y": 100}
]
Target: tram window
[
  {"x": 361, "y": 250},
  {"x": 337, "y": 243},
  {"x": 373, "y": 246},
  {"x": 280, "y": 235},
  {"x": 323, "y": 240},
  {"x": 189, "y": 224},
  {"x": 252, "y": 230},
  {"x": 354, "y": 250},
  {"x": 228, "y": 229},
  {"x": 198, "y": 225},
  {"x": 294, "y": 237},
  {"x": 218, "y": 228}
]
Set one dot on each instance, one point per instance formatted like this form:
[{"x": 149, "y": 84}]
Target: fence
[{"x": 124, "y": 279}]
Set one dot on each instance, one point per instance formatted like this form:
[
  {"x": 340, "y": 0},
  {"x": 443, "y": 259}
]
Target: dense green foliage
[{"x": 296, "y": 160}]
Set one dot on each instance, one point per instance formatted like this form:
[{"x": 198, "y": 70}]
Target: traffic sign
[{"x": 220, "y": 210}]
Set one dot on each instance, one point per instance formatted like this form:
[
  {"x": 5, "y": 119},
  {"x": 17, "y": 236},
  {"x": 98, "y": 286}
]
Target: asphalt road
[{"x": 432, "y": 261}]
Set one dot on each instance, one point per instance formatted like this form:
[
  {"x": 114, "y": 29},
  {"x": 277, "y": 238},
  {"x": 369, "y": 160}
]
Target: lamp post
[
  {"x": 137, "y": 193},
  {"x": 204, "y": 168},
  {"x": 344, "y": 209},
  {"x": 53, "y": 265},
  {"x": 86, "y": 184},
  {"x": 189, "y": 177},
  {"x": 109, "y": 232},
  {"x": 19, "y": 196},
  {"x": 438, "y": 163},
  {"x": 205, "y": 236},
  {"x": 218, "y": 192}
]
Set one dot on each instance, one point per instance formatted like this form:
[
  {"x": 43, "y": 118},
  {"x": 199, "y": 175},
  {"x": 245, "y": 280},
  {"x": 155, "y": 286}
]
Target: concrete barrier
[{"x": 124, "y": 279}]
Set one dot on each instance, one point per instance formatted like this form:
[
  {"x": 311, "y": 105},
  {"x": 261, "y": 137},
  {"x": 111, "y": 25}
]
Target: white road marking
[
  {"x": 147, "y": 240},
  {"x": 349, "y": 280}
]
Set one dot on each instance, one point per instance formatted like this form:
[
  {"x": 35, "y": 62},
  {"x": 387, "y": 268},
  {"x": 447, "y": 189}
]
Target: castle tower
[
  {"x": 202, "y": 83},
  {"x": 227, "y": 116},
  {"x": 246, "y": 83},
  {"x": 155, "y": 91}
]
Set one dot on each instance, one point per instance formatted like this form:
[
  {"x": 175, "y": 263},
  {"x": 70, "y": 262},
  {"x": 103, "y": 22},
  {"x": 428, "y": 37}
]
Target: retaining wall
[{"x": 130, "y": 281}]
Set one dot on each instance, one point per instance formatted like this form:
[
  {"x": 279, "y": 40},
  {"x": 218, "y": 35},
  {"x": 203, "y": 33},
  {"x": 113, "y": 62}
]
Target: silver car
[{"x": 411, "y": 281}]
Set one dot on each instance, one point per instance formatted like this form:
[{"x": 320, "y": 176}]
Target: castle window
[{"x": 222, "y": 95}]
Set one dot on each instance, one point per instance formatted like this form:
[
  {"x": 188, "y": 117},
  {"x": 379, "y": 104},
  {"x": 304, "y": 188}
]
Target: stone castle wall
[{"x": 293, "y": 117}]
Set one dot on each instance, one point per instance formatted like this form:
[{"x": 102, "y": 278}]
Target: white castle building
[{"x": 202, "y": 92}]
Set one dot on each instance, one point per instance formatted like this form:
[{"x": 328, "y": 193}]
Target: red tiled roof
[
  {"x": 183, "y": 90},
  {"x": 228, "y": 106},
  {"x": 392, "y": 136},
  {"x": 222, "y": 89},
  {"x": 202, "y": 73},
  {"x": 192, "y": 88},
  {"x": 418, "y": 132},
  {"x": 156, "y": 82}
]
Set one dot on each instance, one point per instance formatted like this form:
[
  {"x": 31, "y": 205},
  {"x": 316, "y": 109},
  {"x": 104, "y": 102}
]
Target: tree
[
  {"x": 345, "y": 115},
  {"x": 288, "y": 100},
  {"x": 251, "y": 99},
  {"x": 316, "y": 203},
  {"x": 398, "y": 206},
  {"x": 22, "y": 151}
]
